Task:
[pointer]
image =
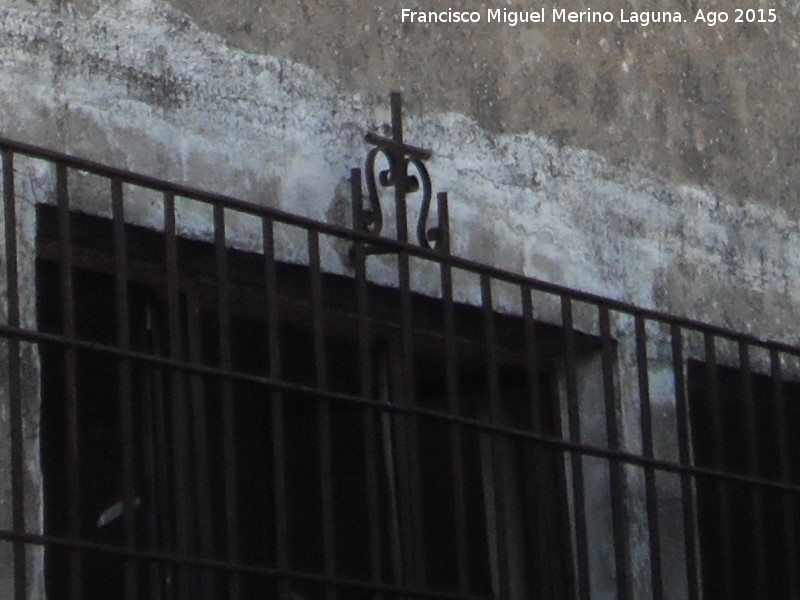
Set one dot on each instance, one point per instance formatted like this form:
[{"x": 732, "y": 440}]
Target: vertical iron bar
[
  {"x": 453, "y": 405},
  {"x": 534, "y": 400},
  {"x": 164, "y": 526},
  {"x": 277, "y": 401},
  {"x": 415, "y": 552},
  {"x": 205, "y": 521},
  {"x": 784, "y": 450},
  {"x": 228, "y": 422},
  {"x": 395, "y": 102},
  {"x": 14, "y": 381},
  {"x": 684, "y": 455},
  {"x": 400, "y": 173},
  {"x": 547, "y": 556},
  {"x": 179, "y": 409},
  {"x": 752, "y": 467},
  {"x": 149, "y": 400},
  {"x": 451, "y": 374},
  {"x": 712, "y": 382},
  {"x": 365, "y": 358},
  {"x": 317, "y": 311},
  {"x": 573, "y": 407},
  {"x": 395, "y": 448},
  {"x": 616, "y": 472},
  {"x": 323, "y": 413},
  {"x": 124, "y": 385},
  {"x": 651, "y": 491},
  {"x": 495, "y": 416},
  {"x": 74, "y": 499}
]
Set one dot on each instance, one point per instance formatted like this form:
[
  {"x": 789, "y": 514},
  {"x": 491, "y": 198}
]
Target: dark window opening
[
  {"x": 730, "y": 531},
  {"x": 514, "y": 524}
]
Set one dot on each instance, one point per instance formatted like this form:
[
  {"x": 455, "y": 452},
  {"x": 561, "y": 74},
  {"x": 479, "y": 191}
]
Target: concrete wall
[{"x": 656, "y": 165}]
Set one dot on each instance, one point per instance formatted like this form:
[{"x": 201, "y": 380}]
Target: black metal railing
[{"x": 217, "y": 420}]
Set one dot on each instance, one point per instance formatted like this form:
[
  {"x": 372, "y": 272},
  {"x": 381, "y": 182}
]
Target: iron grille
[{"x": 220, "y": 421}]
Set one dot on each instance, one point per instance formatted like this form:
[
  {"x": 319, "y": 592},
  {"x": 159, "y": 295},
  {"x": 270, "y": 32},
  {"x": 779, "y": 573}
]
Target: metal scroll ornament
[{"x": 407, "y": 174}]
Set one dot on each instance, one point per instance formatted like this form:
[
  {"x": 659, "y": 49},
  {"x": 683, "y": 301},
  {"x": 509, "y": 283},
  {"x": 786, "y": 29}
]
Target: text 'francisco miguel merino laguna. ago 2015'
[{"x": 513, "y": 18}]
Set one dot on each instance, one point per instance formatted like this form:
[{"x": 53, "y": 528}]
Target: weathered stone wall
[
  {"x": 656, "y": 165},
  {"x": 687, "y": 207},
  {"x": 695, "y": 102}
]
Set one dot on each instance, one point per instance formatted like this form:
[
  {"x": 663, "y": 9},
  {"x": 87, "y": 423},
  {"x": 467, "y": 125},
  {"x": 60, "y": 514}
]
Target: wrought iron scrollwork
[
  {"x": 407, "y": 174},
  {"x": 373, "y": 216}
]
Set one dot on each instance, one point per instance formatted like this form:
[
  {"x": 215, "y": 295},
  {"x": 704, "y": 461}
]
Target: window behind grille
[
  {"x": 346, "y": 466},
  {"x": 738, "y": 521}
]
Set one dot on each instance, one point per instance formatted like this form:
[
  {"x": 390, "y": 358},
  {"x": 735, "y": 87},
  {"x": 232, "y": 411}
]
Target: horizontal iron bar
[
  {"x": 220, "y": 565},
  {"x": 394, "y": 245},
  {"x": 398, "y": 147},
  {"x": 556, "y": 442},
  {"x": 149, "y": 273}
]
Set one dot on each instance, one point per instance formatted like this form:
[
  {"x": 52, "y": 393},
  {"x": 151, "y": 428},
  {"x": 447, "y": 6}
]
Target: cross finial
[
  {"x": 401, "y": 157},
  {"x": 396, "y": 103},
  {"x": 394, "y": 146}
]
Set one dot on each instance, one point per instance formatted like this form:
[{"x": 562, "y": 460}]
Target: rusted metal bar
[
  {"x": 161, "y": 526},
  {"x": 722, "y": 487},
  {"x": 684, "y": 454},
  {"x": 564, "y": 445},
  {"x": 229, "y": 567},
  {"x": 203, "y": 485},
  {"x": 124, "y": 383},
  {"x": 790, "y": 501},
  {"x": 366, "y": 384},
  {"x": 391, "y": 245},
  {"x": 228, "y": 423},
  {"x": 73, "y": 425},
  {"x": 405, "y": 394},
  {"x": 323, "y": 412},
  {"x": 276, "y": 408},
  {"x": 546, "y": 555},
  {"x": 576, "y": 459},
  {"x": 14, "y": 379},
  {"x": 498, "y": 474},
  {"x": 453, "y": 404},
  {"x": 751, "y": 442},
  {"x": 616, "y": 474},
  {"x": 651, "y": 491},
  {"x": 178, "y": 404}
]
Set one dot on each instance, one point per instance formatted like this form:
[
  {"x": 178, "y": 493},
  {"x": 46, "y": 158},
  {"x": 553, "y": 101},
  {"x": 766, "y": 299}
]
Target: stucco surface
[
  {"x": 182, "y": 96},
  {"x": 709, "y": 105}
]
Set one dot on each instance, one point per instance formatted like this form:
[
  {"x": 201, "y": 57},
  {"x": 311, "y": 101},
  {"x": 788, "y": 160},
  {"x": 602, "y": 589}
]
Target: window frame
[{"x": 93, "y": 250}]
